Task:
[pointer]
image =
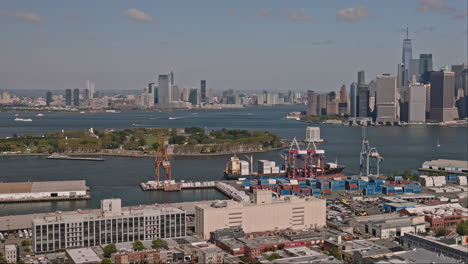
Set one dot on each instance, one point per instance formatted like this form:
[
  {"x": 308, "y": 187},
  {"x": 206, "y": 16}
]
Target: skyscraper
[
  {"x": 361, "y": 77},
  {"x": 91, "y": 90},
  {"x": 68, "y": 97},
  {"x": 417, "y": 103},
  {"x": 407, "y": 56},
  {"x": 49, "y": 98},
  {"x": 76, "y": 97},
  {"x": 175, "y": 93},
  {"x": 194, "y": 96},
  {"x": 185, "y": 94},
  {"x": 386, "y": 98},
  {"x": 172, "y": 80},
  {"x": 362, "y": 106},
  {"x": 312, "y": 103},
  {"x": 353, "y": 99},
  {"x": 425, "y": 67},
  {"x": 203, "y": 90},
  {"x": 164, "y": 91},
  {"x": 344, "y": 99},
  {"x": 443, "y": 96}
]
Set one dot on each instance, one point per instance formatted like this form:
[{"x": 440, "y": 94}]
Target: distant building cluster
[{"x": 416, "y": 94}]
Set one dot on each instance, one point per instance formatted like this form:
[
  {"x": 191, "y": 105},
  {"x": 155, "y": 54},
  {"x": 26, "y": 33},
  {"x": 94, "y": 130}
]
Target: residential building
[
  {"x": 264, "y": 214},
  {"x": 149, "y": 256},
  {"x": 76, "y": 97},
  {"x": 58, "y": 231},
  {"x": 417, "y": 103},
  {"x": 322, "y": 104},
  {"x": 386, "y": 98},
  {"x": 11, "y": 253},
  {"x": 90, "y": 86},
  {"x": 212, "y": 255},
  {"x": 185, "y": 94},
  {"x": 203, "y": 91},
  {"x": 333, "y": 100},
  {"x": 443, "y": 96},
  {"x": 82, "y": 256}
]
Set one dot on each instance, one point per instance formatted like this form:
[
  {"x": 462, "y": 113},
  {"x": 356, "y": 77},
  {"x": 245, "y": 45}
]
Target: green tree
[
  {"x": 158, "y": 243},
  {"x": 138, "y": 245},
  {"x": 462, "y": 228},
  {"x": 109, "y": 249},
  {"x": 335, "y": 253},
  {"x": 106, "y": 261},
  {"x": 281, "y": 246},
  {"x": 273, "y": 256},
  {"x": 442, "y": 232},
  {"x": 25, "y": 243}
]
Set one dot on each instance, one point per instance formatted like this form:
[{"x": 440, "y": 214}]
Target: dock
[
  {"x": 66, "y": 157},
  {"x": 226, "y": 187}
]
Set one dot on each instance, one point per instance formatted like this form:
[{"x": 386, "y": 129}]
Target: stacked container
[
  {"x": 351, "y": 185},
  {"x": 462, "y": 180},
  {"x": 369, "y": 191}
]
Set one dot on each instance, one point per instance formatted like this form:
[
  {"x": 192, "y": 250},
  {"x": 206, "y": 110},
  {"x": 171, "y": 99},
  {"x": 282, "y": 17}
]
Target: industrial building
[
  {"x": 263, "y": 214},
  {"x": 389, "y": 225},
  {"x": 440, "y": 216},
  {"x": 58, "y": 231},
  {"x": 313, "y": 134},
  {"x": 458, "y": 252},
  {"x": 455, "y": 166},
  {"x": 53, "y": 190},
  {"x": 82, "y": 256}
]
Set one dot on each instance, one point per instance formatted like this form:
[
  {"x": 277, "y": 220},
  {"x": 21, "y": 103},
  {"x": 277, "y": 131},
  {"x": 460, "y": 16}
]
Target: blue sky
[{"x": 246, "y": 45}]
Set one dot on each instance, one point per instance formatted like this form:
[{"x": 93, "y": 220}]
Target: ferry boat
[{"x": 23, "y": 119}]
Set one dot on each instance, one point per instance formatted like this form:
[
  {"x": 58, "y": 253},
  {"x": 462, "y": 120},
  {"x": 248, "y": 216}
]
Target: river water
[{"x": 118, "y": 177}]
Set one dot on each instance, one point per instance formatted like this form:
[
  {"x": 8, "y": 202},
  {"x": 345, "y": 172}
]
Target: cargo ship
[{"x": 236, "y": 169}]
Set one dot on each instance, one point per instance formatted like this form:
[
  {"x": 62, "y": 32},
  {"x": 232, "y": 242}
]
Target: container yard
[{"x": 12, "y": 192}]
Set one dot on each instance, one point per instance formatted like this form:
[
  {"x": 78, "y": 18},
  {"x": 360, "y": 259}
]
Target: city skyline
[{"x": 220, "y": 43}]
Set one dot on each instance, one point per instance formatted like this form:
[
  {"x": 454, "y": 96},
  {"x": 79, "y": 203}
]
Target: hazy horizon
[{"x": 244, "y": 45}]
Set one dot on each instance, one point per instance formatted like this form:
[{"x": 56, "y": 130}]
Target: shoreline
[{"x": 139, "y": 155}]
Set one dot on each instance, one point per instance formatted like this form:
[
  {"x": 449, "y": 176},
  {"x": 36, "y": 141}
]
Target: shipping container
[{"x": 285, "y": 192}]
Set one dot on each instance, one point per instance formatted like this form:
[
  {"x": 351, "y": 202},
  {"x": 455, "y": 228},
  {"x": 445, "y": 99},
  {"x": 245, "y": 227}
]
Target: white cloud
[
  {"x": 353, "y": 14},
  {"x": 25, "y": 16},
  {"x": 137, "y": 15},
  {"x": 299, "y": 16},
  {"x": 436, "y": 6}
]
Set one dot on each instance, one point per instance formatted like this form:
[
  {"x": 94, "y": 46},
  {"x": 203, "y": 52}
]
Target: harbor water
[{"x": 119, "y": 177}]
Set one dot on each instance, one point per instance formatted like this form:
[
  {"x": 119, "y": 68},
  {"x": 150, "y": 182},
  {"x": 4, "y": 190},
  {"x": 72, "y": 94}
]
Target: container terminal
[{"x": 15, "y": 192}]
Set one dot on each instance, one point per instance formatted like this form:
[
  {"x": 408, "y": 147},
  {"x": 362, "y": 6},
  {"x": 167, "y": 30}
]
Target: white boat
[
  {"x": 39, "y": 114},
  {"x": 23, "y": 119},
  {"x": 82, "y": 112},
  {"x": 438, "y": 144}
]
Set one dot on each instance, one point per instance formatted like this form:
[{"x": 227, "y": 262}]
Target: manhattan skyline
[{"x": 270, "y": 45}]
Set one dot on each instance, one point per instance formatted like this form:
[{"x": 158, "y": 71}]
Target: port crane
[
  {"x": 161, "y": 161},
  {"x": 369, "y": 156},
  {"x": 304, "y": 163}
]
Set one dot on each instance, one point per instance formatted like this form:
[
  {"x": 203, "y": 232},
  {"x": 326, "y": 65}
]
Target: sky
[{"x": 245, "y": 45}]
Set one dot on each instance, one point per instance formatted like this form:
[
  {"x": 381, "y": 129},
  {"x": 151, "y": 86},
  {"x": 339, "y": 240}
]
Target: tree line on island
[{"x": 145, "y": 140}]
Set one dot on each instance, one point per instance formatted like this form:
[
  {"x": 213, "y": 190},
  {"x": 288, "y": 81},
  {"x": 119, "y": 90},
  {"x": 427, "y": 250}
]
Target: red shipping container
[
  {"x": 326, "y": 190},
  {"x": 353, "y": 185},
  {"x": 393, "y": 182},
  {"x": 306, "y": 190},
  {"x": 286, "y": 187}
]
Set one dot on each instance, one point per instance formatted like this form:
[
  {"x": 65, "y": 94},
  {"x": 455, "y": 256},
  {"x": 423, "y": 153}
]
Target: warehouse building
[
  {"x": 440, "y": 216},
  {"x": 458, "y": 252},
  {"x": 12, "y": 191},
  {"x": 389, "y": 225},
  {"x": 457, "y": 166},
  {"x": 263, "y": 214},
  {"x": 58, "y": 231}
]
